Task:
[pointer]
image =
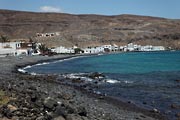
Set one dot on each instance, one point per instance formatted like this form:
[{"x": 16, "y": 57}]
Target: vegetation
[
  {"x": 78, "y": 50},
  {"x": 34, "y": 46},
  {"x": 3, "y": 38},
  {"x": 4, "y": 99},
  {"x": 31, "y": 40},
  {"x": 43, "y": 49}
]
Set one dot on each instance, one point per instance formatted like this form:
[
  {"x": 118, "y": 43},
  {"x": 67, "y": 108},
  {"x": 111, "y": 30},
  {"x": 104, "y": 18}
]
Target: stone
[
  {"x": 60, "y": 110},
  {"x": 59, "y": 118},
  {"x": 66, "y": 96},
  {"x": 50, "y": 103},
  {"x": 82, "y": 111},
  {"x": 178, "y": 115},
  {"x": 77, "y": 80},
  {"x": 144, "y": 103},
  {"x": 40, "y": 118},
  {"x": 73, "y": 117},
  {"x": 96, "y": 75},
  {"x": 174, "y": 106},
  {"x": 155, "y": 110},
  {"x": 11, "y": 108},
  {"x": 177, "y": 81},
  {"x": 33, "y": 98}
]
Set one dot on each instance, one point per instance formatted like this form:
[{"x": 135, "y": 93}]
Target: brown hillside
[{"x": 87, "y": 30}]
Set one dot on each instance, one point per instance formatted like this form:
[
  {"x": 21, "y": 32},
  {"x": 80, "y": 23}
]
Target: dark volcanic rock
[
  {"x": 178, "y": 115},
  {"x": 96, "y": 75},
  {"x": 73, "y": 117},
  {"x": 59, "y": 118},
  {"x": 50, "y": 103},
  {"x": 175, "y": 106},
  {"x": 82, "y": 111},
  {"x": 178, "y": 81}
]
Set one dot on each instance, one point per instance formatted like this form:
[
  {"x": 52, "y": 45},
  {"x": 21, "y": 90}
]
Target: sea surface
[{"x": 148, "y": 79}]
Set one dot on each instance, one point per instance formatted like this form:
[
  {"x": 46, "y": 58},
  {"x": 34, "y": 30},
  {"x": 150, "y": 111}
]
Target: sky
[{"x": 158, "y": 8}]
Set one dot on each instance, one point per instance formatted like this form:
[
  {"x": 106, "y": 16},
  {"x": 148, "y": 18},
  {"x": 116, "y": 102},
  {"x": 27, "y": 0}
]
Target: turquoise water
[
  {"x": 146, "y": 78},
  {"x": 117, "y": 63}
]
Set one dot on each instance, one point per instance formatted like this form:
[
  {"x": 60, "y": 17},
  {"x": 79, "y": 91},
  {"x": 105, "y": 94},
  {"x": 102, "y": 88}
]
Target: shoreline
[{"x": 104, "y": 99}]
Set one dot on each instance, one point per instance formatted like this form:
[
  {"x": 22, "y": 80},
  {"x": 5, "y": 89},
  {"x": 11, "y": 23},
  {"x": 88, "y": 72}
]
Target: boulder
[
  {"x": 66, "y": 96},
  {"x": 73, "y": 117},
  {"x": 40, "y": 118},
  {"x": 59, "y": 118},
  {"x": 177, "y": 81},
  {"x": 175, "y": 106},
  {"x": 155, "y": 110},
  {"x": 34, "y": 98},
  {"x": 11, "y": 108},
  {"x": 96, "y": 75},
  {"x": 77, "y": 80},
  {"x": 50, "y": 103},
  {"x": 82, "y": 111},
  {"x": 178, "y": 115},
  {"x": 60, "y": 111},
  {"x": 63, "y": 110}
]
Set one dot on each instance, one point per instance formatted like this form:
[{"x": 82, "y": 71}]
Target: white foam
[
  {"x": 27, "y": 67},
  {"x": 112, "y": 81},
  {"x": 21, "y": 70},
  {"x": 44, "y": 63},
  {"x": 72, "y": 76},
  {"x": 86, "y": 79},
  {"x": 128, "y": 82},
  {"x": 33, "y": 73}
]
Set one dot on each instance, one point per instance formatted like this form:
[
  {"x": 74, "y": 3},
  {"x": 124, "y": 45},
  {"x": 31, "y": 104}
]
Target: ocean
[{"x": 148, "y": 79}]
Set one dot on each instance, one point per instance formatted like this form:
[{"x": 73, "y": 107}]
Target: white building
[
  {"x": 107, "y": 47},
  {"x": 15, "y": 48},
  {"x": 158, "y": 48},
  {"x": 135, "y": 47},
  {"x": 62, "y": 49},
  {"x": 101, "y": 49},
  {"x": 93, "y": 50},
  {"x": 146, "y": 48},
  {"x": 115, "y": 48}
]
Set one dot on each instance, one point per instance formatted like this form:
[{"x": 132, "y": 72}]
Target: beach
[{"x": 42, "y": 97}]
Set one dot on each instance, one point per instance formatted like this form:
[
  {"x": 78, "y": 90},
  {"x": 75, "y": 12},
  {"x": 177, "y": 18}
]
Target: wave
[
  {"x": 112, "y": 81},
  {"x": 44, "y": 63},
  {"x": 22, "y": 70}
]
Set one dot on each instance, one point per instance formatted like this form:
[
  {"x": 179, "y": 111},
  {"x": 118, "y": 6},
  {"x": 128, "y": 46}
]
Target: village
[{"x": 30, "y": 48}]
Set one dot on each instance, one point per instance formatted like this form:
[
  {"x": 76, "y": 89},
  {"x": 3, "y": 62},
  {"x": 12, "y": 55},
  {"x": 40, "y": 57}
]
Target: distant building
[
  {"x": 93, "y": 50},
  {"x": 47, "y": 34},
  {"x": 62, "y": 49},
  {"x": 15, "y": 48},
  {"x": 158, "y": 48},
  {"x": 101, "y": 49},
  {"x": 135, "y": 47},
  {"x": 107, "y": 48}
]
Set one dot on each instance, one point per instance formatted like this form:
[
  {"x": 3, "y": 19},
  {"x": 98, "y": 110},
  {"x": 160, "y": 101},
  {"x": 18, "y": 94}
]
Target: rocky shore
[{"x": 44, "y": 97}]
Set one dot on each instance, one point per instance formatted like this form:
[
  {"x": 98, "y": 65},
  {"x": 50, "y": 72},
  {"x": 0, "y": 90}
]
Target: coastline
[{"x": 46, "y": 88}]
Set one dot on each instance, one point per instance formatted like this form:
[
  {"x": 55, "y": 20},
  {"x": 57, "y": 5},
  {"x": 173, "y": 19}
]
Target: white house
[
  {"x": 135, "y": 47},
  {"x": 115, "y": 47},
  {"x": 99, "y": 49},
  {"x": 62, "y": 49},
  {"x": 107, "y": 47},
  {"x": 146, "y": 48},
  {"x": 15, "y": 48},
  {"x": 158, "y": 48}
]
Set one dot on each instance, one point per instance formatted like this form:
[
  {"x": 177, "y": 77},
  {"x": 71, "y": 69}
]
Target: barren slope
[{"x": 87, "y": 30}]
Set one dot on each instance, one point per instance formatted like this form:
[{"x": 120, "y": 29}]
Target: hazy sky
[{"x": 160, "y": 8}]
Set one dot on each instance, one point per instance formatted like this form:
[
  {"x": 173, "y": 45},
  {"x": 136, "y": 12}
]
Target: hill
[{"x": 90, "y": 30}]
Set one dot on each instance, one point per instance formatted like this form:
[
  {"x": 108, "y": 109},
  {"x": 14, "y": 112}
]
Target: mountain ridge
[{"x": 90, "y": 30}]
